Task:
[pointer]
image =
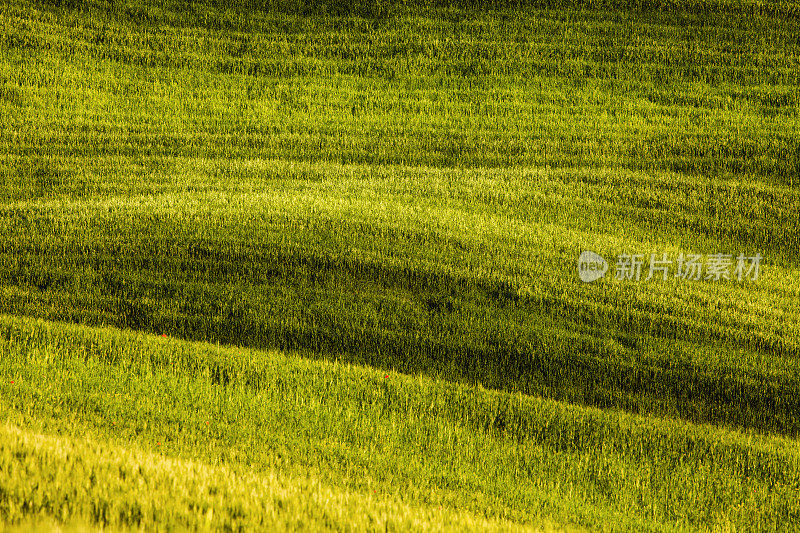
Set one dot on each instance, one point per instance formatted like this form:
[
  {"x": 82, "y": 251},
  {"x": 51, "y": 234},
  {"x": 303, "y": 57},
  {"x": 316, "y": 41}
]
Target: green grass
[
  {"x": 306, "y": 197},
  {"x": 128, "y": 486},
  {"x": 415, "y": 439}
]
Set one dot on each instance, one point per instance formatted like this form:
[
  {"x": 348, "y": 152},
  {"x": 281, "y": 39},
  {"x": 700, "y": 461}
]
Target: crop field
[{"x": 314, "y": 265}]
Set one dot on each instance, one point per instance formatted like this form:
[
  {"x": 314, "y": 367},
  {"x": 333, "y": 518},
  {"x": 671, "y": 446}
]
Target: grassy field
[{"x": 314, "y": 265}]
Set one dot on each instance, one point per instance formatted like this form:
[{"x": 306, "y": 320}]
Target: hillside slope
[{"x": 408, "y": 190}]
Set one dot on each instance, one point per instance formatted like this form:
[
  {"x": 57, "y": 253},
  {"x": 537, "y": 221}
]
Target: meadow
[{"x": 314, "y": 265}]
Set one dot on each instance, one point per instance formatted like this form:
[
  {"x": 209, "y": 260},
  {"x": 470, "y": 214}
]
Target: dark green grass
[{"x": 275, "y": 266}]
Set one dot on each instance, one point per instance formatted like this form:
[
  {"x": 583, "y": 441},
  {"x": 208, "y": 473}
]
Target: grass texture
[{"x": 313, "y": 265}]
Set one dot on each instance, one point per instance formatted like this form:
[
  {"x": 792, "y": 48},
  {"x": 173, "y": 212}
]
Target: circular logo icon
[{"x": 591, "y": 266}]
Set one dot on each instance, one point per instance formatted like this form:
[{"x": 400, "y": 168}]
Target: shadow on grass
[{"x": 433, "y": 323}]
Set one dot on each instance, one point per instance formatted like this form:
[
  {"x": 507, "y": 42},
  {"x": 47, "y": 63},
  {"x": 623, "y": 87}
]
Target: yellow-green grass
[
  {"x": 329, "y": 195},
  {"x": 287, "y": 427},
  {"x": 94, "y": 482},
  {"x": 561, "y": 88},
  {"x": 467, "y": 274}
]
